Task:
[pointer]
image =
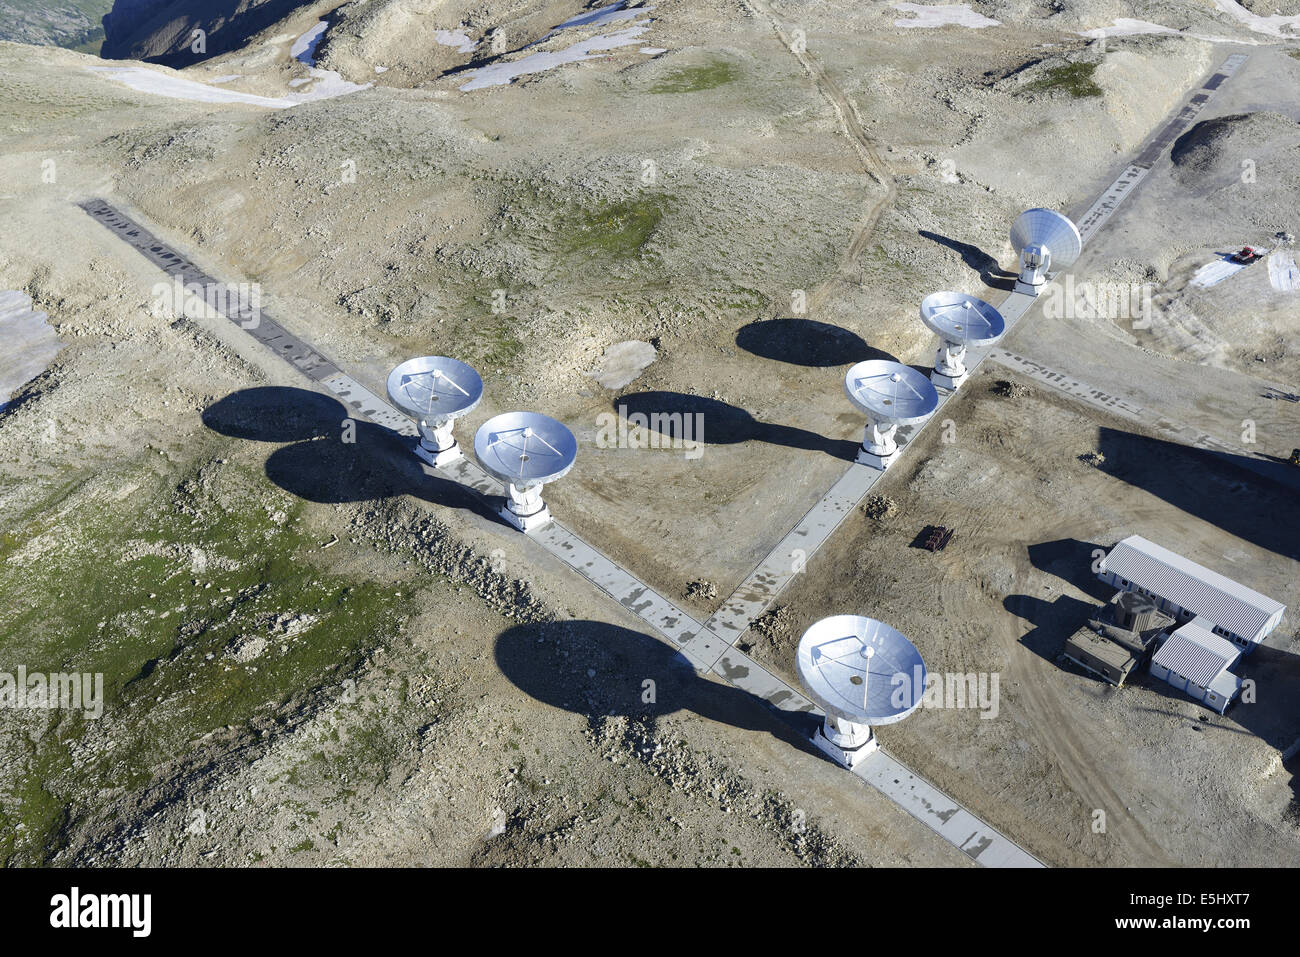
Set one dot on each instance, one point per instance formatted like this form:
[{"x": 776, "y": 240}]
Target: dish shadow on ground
[
  {"x": 990, "y": 272},
  {"x": 320, "y": 465},
  {"x": 806, "y": 342},
  {"x": 601, "y": 670},
  {"x": 673, "y": 415}
]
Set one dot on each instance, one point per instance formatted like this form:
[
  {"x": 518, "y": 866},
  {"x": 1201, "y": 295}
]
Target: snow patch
[
  {"x": 176, "y": 87},
  {"x": 325, "y": 84},
  {"x": 623, "y": 362},
  {"x": 499, "y": 74},
  {"x": 304, "y": 48},
  {"x": 1274, "y": 26},
  {"x": 27, "y": 343},
  {"x": 328, "y": 84},
  {"x": 455, "y": 38},
  {"x": 954, "y": 15},
  {"x": 1125, "y": 27},
  {"x": 611, "y": 13}
]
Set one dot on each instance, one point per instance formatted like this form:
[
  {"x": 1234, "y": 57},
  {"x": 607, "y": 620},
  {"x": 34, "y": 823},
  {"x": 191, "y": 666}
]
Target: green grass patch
[
  {"x": 616, "y": 230},
  {"x": 91, "y": 43},
  {"x": 692, "y": 79},
  {"x": 1074, "y": 79},
  {"x": 493, "y": 343},
  {"x": 156, "y": 597}
]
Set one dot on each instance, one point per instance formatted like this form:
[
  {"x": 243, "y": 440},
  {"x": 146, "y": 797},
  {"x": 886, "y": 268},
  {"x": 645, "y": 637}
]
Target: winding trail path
[{"x": 851, "y": 124}]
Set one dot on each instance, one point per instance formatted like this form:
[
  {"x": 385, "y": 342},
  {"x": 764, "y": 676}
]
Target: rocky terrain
[{"x": 73, "y": 23}]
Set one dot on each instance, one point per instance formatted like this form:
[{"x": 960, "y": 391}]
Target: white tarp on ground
[
  {"x": 1211, "y": 274},
  {"x": 1283, "y": 272}
]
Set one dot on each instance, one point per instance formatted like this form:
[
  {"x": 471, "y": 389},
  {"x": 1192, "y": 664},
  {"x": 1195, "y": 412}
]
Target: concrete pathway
[{"x": 704, "y": 650}]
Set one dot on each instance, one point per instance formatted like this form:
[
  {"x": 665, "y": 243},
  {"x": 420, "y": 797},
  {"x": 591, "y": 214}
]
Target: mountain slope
[
  {"x": 162, "y": 31},
  {"x": 67, "y": 23}
]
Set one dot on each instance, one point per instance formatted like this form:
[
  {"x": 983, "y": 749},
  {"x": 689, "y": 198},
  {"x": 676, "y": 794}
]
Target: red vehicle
[{"x": 1246, "y": 255}]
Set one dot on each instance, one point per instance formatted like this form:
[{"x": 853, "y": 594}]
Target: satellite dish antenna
[
  {"x": 891, "y": 394},
  {"x": 861, "y": 672},
  {"x": 959, "y": 320},
  {"x": 435, "y": 391},
  {"x": 1047, "y": 243},
  {"x": 525, "y": 450}
]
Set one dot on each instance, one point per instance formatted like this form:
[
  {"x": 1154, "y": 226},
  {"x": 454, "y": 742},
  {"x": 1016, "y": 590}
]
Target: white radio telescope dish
[
  {"x": 1047, "y": 242},
  {"x": 891, "y": 394},
  {"x": 435, "y": 391},
  {"x": 861, "y": 672},
  {"x": 525, "y": 450},
  {"x": 959, "y": 320}
]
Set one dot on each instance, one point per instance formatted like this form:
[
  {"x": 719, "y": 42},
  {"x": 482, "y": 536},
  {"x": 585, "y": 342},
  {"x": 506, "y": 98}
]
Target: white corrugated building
[
  {"x": 1195, "y": 660},
  {"x": 1185, "y": 590}
]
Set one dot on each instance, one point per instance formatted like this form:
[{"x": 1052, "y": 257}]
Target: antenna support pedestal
[
  {"x": 524, "y": 508},
  {"x": 1029, "y": 288},
  {"x": 949, "y": 366},
  {"x": 437, "y": 445},
  {"x": 845, "y": 742},
  {"x": 1035, "y": 261},
  {"x": 879, "y": 450}
]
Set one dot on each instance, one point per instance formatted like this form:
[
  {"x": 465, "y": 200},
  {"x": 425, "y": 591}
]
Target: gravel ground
[{"x": 310, "y": 659}]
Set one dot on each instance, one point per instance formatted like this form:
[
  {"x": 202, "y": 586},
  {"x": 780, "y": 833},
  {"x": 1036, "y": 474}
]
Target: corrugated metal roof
[
  {"x": 1195, "y": 652},
  {"x": 1220, "y": 600},
  {"x": 1226, "y": 685}
]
